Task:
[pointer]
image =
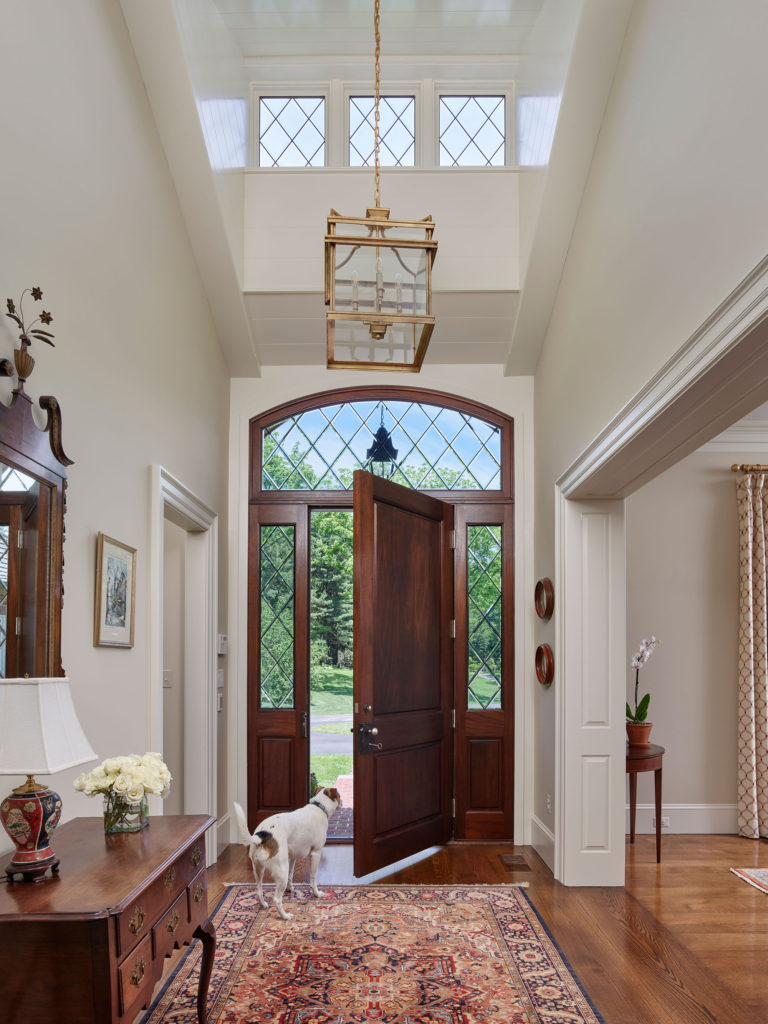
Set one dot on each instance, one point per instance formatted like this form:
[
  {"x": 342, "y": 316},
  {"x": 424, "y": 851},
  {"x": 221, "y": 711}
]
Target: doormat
[
  {"x": 755, "y": 876},
  {"x": 397, "y": 954}
]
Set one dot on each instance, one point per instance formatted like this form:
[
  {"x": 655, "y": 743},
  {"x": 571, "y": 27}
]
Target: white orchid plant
[
  {"x": 131, "y": 778},
  {"x": 647, "y": 647}
]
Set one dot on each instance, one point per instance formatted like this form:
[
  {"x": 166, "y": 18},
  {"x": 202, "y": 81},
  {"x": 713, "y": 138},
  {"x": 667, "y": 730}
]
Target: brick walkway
[{"x": 341, "y": 823}]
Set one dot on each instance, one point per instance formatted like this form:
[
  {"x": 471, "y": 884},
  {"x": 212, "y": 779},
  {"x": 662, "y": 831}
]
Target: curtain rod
[{"x": 748, "y": 468}]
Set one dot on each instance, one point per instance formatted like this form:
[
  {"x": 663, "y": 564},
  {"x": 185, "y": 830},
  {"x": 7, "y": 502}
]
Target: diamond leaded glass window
[
  {"x": 397, "y": 131},
  {"x": 435, "y": 448},
  {"x": 291, "y": 131},
  {"x": 484, "y": 567},
  {"x": 472, "y": 131},
  {"x": 277, "y": 591}
]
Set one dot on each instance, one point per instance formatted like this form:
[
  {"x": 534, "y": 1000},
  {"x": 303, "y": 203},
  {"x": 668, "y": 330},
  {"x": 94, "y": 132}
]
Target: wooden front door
[{"x": 403, "y": 669}]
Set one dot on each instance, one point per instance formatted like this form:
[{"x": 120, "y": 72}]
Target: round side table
[{"x": 645, "y": 759}]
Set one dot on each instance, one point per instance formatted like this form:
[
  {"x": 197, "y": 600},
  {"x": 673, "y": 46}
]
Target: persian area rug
[
  {"x": 755, "y": 876},
  {"x": 385, "y": 954}
]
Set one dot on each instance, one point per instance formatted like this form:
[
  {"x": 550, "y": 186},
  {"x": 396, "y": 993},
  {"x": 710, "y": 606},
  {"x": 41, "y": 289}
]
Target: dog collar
[{"x": 318, "y": 804}]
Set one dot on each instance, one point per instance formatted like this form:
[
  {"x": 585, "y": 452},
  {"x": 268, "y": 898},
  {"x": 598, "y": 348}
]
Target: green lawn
[
  {"x": 328, "y": 767},
  {"x": 330, "y": 691}
]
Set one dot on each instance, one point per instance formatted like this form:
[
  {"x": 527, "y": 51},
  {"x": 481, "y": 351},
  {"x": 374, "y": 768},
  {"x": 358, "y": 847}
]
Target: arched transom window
[{"x": 415, "y": 443}]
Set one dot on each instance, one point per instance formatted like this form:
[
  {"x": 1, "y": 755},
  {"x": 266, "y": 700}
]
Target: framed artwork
[{"x": 115, "y": 593}]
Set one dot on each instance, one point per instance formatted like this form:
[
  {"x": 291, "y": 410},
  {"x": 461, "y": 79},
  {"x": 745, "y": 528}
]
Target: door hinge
[
  {"x": 18, "y": 625},
  {"x": 453, "y": 807},
  {"x": 453, "y": 718},
  {"x": 19, "y": 539},
  {"x": 452, "y": 540},
  {"x": 452, "y": 629}
]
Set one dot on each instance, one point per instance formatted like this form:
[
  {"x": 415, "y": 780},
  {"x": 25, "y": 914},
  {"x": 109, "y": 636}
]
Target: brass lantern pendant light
[{"x": 378, "y": 280}]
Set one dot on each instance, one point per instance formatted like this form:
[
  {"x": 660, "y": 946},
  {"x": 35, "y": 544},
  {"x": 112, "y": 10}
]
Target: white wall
[
  {"x": 674, "y": 215},
  {"x": 90, "y": 214},
  {"x": 512, "y": 396},
  {"x": 683, "y": 586}
]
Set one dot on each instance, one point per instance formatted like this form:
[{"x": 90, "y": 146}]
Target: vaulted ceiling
[{"x": 186, "y": 49}]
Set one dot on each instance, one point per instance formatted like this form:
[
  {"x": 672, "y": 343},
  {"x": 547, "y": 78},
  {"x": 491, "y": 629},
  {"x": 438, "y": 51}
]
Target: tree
[{"x": 331, "y": 583}]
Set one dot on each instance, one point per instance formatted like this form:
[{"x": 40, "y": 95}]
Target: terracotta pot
[{"x": 639, "y": 733}]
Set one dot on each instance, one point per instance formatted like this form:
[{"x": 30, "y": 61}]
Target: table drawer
[
  {"x": 137, "y": 919},
  {"x": 197, "y": 892},
  {"x": 172, "y": 928},
  {"x": 135, "y": 976}
]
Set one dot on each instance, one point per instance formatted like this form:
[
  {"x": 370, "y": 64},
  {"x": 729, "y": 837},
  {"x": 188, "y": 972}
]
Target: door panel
[
  {"x": 402, "y": 671},
  {"x": 278, "y": 691},
  {"x": 484, "y": 673}
]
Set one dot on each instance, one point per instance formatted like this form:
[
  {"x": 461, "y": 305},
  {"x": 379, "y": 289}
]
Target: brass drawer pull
[
  {"x": 172, "y": 923},
  {"x": 137, "y": 920},
  {"x": 198, "y": 894},
  {"x": 196, "y": 856},
  {"x": 170, "y": 878},
  {"x": 138, "y": 972}
]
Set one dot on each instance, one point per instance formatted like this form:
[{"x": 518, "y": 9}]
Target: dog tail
[
  {"x": 263, "y": 844},
  {"x": 242, "y": 824}
]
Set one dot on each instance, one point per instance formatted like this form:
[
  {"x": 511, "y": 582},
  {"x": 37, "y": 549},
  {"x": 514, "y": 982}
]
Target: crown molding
[{"x": 716, "y": 376}]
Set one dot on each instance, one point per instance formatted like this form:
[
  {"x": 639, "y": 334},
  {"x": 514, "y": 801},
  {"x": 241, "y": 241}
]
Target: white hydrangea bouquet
[{"x": 125, "y": 783}]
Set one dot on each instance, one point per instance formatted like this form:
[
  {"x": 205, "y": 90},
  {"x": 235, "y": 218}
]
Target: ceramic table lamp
[{"x": 39, "y": 735}]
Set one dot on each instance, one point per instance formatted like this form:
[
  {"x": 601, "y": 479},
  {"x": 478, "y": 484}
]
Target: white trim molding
[
  {"x": 543, "y": 842},
  {"x": 170, "y": 499},
  {"x": 715, "y": 378},
  {"x": 686, "y": 819}
]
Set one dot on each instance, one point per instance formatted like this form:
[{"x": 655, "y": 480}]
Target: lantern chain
[{"x": 376, "y": 192}]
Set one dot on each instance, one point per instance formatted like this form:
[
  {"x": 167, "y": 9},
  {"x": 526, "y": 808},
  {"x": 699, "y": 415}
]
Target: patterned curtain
[{"x": 752, "y": 493}]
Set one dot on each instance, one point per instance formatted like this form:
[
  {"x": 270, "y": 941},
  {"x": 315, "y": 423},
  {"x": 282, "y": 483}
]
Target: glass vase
[{"x": 122, "y": 816}]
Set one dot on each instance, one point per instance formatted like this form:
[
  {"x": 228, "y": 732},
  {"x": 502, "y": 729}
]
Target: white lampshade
[{"x": 39, "y": 730}]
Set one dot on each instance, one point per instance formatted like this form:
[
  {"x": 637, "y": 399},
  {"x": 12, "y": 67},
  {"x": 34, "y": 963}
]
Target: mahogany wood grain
[
  {"x": 683, "y": 942},
  {"x": 77, "y": 948}
]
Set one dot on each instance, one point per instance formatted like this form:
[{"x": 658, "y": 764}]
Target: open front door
[{"x": 402, "y": 671}]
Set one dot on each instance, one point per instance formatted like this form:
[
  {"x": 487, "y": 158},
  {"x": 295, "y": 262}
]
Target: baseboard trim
[
  {"x": 687, "y": 819},
  {"x": 543, "y": 842},
  {"x": 222, "y": 834}
]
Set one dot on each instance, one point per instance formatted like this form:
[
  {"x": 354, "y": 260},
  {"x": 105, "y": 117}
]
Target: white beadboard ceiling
[{"x": 275, "y": 28}]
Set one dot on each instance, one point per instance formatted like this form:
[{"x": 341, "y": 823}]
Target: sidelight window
[
  {"x": 484, "y": 595},
  {"x": 277, "y": 597}
]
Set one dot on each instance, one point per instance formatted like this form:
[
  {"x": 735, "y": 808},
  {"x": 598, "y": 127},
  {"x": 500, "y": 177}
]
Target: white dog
[{"x": 282, "y": 839}]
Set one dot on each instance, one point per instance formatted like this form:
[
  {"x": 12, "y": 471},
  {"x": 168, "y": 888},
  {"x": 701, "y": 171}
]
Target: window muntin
[
  {"x": 397, "y": 131},
  {"x": 472, "y": 131},
  {"x": 277, "y": 588},
  {"x": 291, "y": 131},
  {"x": 484, "y": 584},
  {"x": 438, "y": 448}
]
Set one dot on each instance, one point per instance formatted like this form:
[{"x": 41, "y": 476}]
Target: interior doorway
[{"x": 330, "y": 662}]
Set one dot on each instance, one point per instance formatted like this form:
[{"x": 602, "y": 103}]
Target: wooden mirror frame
[{"x": 37, "y": 452}]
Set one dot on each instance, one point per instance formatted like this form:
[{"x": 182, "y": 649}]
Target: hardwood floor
[{"x": 684, "y": 942}]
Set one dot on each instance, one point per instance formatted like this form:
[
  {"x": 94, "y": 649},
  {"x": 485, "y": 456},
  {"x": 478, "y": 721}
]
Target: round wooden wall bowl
[
  {"x": 545, "y": 664},
  {"x": 544, "y": 598}
]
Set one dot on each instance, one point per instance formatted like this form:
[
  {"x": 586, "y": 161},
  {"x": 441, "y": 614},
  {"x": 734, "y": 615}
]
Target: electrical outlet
[
  {"x": 549, "y": 803},
  {"x": 664, "y": 822}
]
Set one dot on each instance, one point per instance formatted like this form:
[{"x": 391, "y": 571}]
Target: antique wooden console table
[{"x": 87, "y": 945}]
